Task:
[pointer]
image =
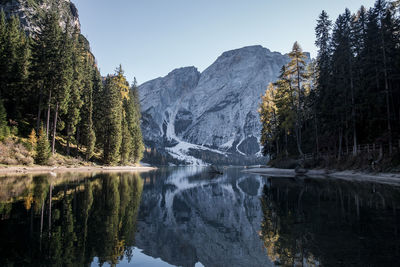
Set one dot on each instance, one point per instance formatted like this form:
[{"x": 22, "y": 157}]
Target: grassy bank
[{"x": 18, "y": 152}]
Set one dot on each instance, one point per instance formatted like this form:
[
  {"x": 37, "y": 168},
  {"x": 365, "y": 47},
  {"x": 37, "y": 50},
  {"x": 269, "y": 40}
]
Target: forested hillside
[
  {"x": 51, "y": 89},
  {"x": 346, "y": 103}
]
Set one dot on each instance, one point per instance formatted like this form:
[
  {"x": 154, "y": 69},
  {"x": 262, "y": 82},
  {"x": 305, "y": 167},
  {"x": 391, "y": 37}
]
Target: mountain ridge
[{"x": 192, "y": 114}]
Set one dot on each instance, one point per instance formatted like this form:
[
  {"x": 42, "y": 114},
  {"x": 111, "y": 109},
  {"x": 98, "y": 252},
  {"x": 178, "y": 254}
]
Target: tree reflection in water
[
  {"x": 315, "y": 222},
  {"x": 70, "y": 220}
]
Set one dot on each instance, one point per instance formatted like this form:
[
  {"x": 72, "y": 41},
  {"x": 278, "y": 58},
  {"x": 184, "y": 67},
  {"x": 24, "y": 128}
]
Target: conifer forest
[
  {"x": 51, "y": 87},
  {"x": 346, "y": 102}
]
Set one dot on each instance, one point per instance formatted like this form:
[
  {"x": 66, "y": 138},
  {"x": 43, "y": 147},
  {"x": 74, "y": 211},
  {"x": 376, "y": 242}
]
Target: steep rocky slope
[
  {"x": 30, "y": 12},
  {"x": 193, "y": 114}
]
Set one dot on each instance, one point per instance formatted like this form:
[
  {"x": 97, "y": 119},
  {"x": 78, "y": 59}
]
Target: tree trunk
[
  {"x": 54, "y": 129},
  {"x": 298, "y": 140},
  {"x": 316, "y": 133},
  {"x": 353, "y": 111},
  {"x": 277, "y": 146},
  {"x": 78, "y": 140},
  {"x": 39, "y": 114},
  {"x": 286, "y": 145},
  {"x": 385, "y": 72},
  {"x": 48, "y": 116},
  {"x": 340, "y": 143},
  {"x": 298, "y": 124},
  {"x": 68, "y": 138}
]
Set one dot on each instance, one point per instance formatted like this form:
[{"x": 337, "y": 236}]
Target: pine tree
[
  {"x": 386, "y": 35},
  {"x": 269, "y": 119},
  {"x": 126, "y": 144},
  {"x": 63, "y": 79},
  {"x": 296, "y": 74},
  {"x": 87, "y": 114},
  {"x": 322, "y": 32},
  {"x": 286, "y": 108},
  {"x": 3, "y": 26},
  {"x": 46, "y": 57},
  {"x": 132, "y": 108},
  {"x": 73, "y": 114},
  {"x": 43, "y": 152},
  {"x": 15, "y": 64},
  {"x": 112, "y": 118},
  {"x": 98, "y": 107},
  {"x": 4, "y": 131},
  {"x": 323, "y": 94}
]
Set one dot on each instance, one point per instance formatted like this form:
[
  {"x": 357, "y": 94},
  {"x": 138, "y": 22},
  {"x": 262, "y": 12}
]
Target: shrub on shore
[{"x": 14, "y": 153}]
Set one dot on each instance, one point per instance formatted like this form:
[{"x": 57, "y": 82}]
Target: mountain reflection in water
[{"x": 189, "y": 217}]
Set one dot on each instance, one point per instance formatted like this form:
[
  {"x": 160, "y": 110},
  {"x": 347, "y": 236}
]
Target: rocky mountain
[
  {"x": 210, "y": 116},
  {"x": 30, "y": 12}
]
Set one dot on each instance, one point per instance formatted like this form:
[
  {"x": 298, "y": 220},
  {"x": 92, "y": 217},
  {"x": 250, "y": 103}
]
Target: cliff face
[
  {"x": 215, "y": 111},
  {"x": 31, "y": 12}
]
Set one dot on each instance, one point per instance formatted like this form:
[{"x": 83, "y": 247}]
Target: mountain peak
[
  {"x": 254, "y": 49},
  {"x": 184, "y": 70}
]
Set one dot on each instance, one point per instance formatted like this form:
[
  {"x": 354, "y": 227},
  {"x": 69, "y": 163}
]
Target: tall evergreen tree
[
  {"x": 137, "y": 131},
  {"x": 98, "y": 107},
  {"x": 269, "y": 119},
  {"x": 73, "y": 114},
  {"x": 112, "y": 118},
  {"x": 126, "y": 144},
  {"x": 63, "y": 80},
  {"x": 132, "y": 107},
  {"x": 46, "y": 59},
  {"x": 3, "y": 121},
  {"x": 87, "y": 114},
  {"x": 43, "y": 152},
  {"x": 15, "y": 63},
  {"x": 323, "y": 39},
  {"x": 296, "y": 71}
]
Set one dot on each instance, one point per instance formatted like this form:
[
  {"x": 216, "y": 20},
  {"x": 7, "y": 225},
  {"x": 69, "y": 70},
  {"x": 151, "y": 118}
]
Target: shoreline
[
  {"x": 65, "y": 169},
  {"x": 384, "y": 178}
]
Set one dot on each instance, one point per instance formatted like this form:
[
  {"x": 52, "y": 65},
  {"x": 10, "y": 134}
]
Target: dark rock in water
[
  {"x": 215, "y": 170},
  {"x": 300, "y": 171}
]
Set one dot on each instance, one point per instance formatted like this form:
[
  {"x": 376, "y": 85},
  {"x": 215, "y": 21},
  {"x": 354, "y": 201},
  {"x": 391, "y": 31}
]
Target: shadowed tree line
[{"x": 349, "y": 96}]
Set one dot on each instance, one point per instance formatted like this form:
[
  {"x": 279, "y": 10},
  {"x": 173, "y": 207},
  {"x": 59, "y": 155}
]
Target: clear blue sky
[{"x": 152, "y": 37}]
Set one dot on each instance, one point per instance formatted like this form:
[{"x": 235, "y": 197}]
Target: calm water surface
[{"x": 188, "y": 217}]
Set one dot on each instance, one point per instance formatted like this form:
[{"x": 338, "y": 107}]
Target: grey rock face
[
  {"x": 215, "y": 109},
  {"x": 31, "y": 12},
  {"x": 161, "y": 103}
]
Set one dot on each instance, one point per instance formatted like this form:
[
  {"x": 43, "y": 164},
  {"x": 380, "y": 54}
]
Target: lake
[{"x": 185, "y": 216}]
